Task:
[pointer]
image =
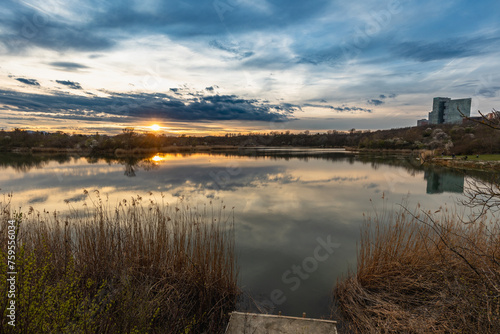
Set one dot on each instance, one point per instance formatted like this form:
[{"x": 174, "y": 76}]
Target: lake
[{"x": 298, "y": 212}]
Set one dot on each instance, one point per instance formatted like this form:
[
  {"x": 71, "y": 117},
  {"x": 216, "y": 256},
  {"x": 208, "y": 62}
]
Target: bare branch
[{"x": 492, "y": 121}]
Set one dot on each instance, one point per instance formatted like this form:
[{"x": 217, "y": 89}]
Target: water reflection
[
  {"x": 25, "y": 162},
  {"x": 444, "y": 182},
  {"x": 284, "y": 201}
]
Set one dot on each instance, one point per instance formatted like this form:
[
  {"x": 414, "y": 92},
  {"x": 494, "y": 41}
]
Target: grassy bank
[
  {"x": 135, "y": 268},
  {"x": 484, "y": 162},
  {"x": 477, "y": 157},
  {"x": 419, "y": 274},
  {"x": 483, "y": 157}
]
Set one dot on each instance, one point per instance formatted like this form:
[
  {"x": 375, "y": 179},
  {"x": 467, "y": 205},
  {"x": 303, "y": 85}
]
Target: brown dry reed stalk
[
  {"x": 423, "y": 272},
  {"x": 137, "y": 268}
]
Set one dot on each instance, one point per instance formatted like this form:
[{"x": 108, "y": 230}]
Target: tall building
[{"x": 448, "y": 111}]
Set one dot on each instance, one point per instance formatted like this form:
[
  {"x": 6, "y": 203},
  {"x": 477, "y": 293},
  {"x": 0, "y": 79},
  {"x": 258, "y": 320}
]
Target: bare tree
[
  {"x": 484, "y": 195},
  {"x": 128, "y": 134},
  {"x": 491, "y": 120}
]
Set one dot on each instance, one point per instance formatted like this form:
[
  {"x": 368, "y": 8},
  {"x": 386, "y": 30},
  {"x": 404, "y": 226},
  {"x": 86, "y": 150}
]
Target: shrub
[
  {"x": 417, "y": 274},
  {"x": 137, "y": 268}
]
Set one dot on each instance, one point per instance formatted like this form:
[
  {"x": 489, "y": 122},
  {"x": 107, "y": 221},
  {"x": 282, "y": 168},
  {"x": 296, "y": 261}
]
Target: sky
[{"x": 217, "y": 66}]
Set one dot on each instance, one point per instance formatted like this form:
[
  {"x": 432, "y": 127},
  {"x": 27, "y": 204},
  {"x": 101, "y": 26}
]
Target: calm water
[{"x": 297, "y": 212}]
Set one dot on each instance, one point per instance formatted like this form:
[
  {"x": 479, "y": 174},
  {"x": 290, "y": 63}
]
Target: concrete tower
[{"x": 448, "y": 111}]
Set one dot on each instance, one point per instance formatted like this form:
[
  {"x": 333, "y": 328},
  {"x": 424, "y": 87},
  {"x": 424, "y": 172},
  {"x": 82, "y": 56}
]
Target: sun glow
[
  {"x": 155, "y": 127},
  {"x": 157, "y": 158}
]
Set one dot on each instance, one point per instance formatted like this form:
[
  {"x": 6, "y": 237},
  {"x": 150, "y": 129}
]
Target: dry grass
[
  {"x": 140, "y": 267},
  {"x": 421, "y": 274}
]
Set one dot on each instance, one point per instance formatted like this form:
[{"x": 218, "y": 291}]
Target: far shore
[
  {"x": 132, "y": 151},
  {"x": 190, "y": 148},
  {"x": 138, "y": 150}
]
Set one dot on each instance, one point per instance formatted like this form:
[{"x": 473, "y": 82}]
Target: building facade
[{"x": 448, "y": 111}]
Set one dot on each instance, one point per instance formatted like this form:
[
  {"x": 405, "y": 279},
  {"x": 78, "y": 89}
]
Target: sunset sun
[{"x": 155, "y": 127}]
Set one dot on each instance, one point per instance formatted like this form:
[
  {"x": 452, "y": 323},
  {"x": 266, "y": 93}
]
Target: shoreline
[
  {"x": 459, "y": 163},
  {"x": 426, "y": 157},
  {"x": 164, "y": 149},
  {"x": 383, "y": 150},
  {"x": 121, "y": 151}
]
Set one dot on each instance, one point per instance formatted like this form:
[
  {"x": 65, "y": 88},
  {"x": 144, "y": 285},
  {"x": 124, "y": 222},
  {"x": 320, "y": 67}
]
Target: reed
[
  {"x": 422, "y": 273},
  {"x": 136, "y": 268}
]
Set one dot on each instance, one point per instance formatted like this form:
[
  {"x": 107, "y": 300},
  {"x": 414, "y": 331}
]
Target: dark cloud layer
[
  {"x": 180, "y": 19},
  {"x": 109, "y": 21},
  {"x": 25, "y": 26},
  {"x": 195, "y": 107}
]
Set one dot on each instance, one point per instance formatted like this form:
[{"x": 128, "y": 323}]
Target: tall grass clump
[
  {"x": 420, "y": 273},
  {"x": 137, "y": 268}
]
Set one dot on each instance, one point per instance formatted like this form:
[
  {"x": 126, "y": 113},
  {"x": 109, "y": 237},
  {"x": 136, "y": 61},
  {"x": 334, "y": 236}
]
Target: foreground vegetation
[
  {"x": 136, "y": 268},
  {"x": 417, "y": 273}
]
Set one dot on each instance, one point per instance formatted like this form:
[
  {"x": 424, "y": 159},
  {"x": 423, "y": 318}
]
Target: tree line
[{"x": 469, "y": 137}]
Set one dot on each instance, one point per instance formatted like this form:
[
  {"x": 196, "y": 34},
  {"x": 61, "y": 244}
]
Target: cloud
[
  {"x": 70, "y": 84},
  {"x": 301, "y": 51},
  {"x": 345, "y": 109},
  {"x": 25, "y": 27},
  {"x": 183, "y": 19},
  {"x": 335, "y": 56},
  {"x": 99, "y": 26},
  {"x": 388, "y": 47},
  {"x": 76, "y": 198},
  {"x": 239, "y": 52},
  {"x": 445, "y": 49},
  {"x": 67, "y": 66},
  {"x": 341, "y": 109},
  {"x": 488, "y": 91},
  {"x": 39, "y": 199},
  {"x": 125, "y": 107},
  {"x": 375, "y": 102},
  {"x": 380, "y": 100},
  {"x": 31, "y": 82}
]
